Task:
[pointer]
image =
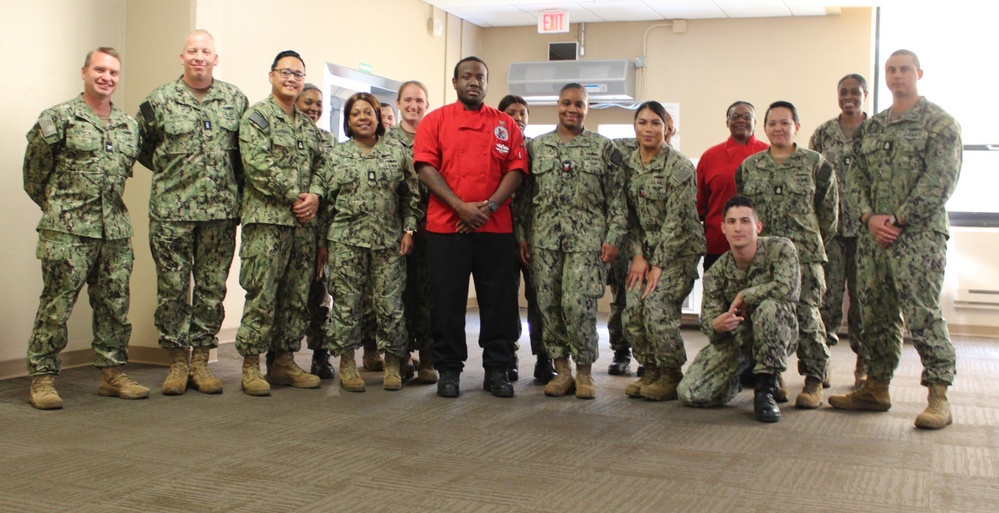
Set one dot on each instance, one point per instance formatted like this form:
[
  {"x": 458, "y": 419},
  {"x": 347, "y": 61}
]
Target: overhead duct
[{"x": 611, "y": 81}]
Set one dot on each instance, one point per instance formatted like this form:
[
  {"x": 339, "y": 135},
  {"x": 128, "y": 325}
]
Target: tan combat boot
[
  {"x": 372, "y": 360},
  {"x": 872, "y": 396},
  {"x": 253, "y": 382},
  {"x": 43, "y": 393},
  {"x": 663, "y": 388},
  {"x": 393, "y": 381},
  {"x": 585, "y": 388},
  {"x": 811, "y": 394},
  {"x": 201, "y": 378},
  {"x": 937, "y": 413},
  {"x": 286, "y": 372},
  {"x": 114, "y": 383},
  {"x": 564, "y": 383},
  {"x": 425, "y": 372},
  {"x": 780, "y": 396},
  {"x": 634, "y": 390},
  {"x": 176, "y": 380},
  {"x": 350, "y": 379}
]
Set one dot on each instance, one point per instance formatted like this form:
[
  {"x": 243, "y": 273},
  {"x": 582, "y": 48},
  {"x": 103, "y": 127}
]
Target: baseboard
[{"x": 17, "y": 367}]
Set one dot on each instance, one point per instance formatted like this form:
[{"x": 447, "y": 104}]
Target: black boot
[
  {"x": 321, "y": 364},
  {"x": 621, "y": 366},
  {"x": 449, "y": 384},
  {"x": 269, "y": 360},
  {"x": 746, "y": 378},
  {"x": 764, "y": 404},
  {"x": 514, "y": 373},
  {"x": 498, "y": 383},
  {"x": 543, "y": 370}
]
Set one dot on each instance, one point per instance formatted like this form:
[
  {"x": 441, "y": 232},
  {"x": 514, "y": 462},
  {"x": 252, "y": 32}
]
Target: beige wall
[
  {"x": 714, "y": 63},
  {"x": 43, "y": 46},
  {"x": 705, "y": 69},
  {"x": 149, "y": 34}
]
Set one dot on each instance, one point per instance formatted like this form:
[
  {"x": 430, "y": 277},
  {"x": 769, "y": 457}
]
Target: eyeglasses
[
  {"x": 288, "y": 73},
  {"x": 745, "y": 116}
]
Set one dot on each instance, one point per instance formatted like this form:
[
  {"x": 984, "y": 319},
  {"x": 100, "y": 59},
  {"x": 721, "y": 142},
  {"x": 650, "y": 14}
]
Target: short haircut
[
  {"x": 310, "y": 87},
  {"x": 903, "y": 51},
  {"x": 101, "y": 49},
  {"x": 511, "y": 99},
  {"x": 408, "y": 83},
  {"x": 470, "y": 58},
  {"x": 781, "y": 103},
  {"x": 384, "y": 104},
  {"x": 728, "y": 111},
  {"x": 286, "y": 53},
  {"x": 198, "y": 32},
  {"x": 856, "y": 76},
  {"x": 370, "y": 100},
  {"x": 657, "y": 109},
  {"x": 574, "y": 85},
  {"x": 740, "y": 201}
]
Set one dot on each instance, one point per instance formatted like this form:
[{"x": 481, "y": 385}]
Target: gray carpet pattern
[{"x": 330, "y": 450}]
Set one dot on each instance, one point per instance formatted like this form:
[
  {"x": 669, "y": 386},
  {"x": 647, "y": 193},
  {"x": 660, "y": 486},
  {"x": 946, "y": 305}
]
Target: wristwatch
[
  {"x": 894, "y": 222},
  {"x": 408, "y": 231},
  {"x": 493, "y": 207}
]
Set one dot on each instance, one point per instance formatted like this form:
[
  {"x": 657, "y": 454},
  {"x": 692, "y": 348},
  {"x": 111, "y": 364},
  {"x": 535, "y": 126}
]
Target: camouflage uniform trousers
[
  {"x": 182, "y": 249},
  {"x": 841, "y": 278},
  {"x": 277, "y": 264},
  {"x": 905, "y": 280},
  {"x": 319, "y": 311},
  {"x": 764, "y": 337},
  {"x": 653, "y": 323},
  {"x": 378, "y": 273},
  {"x": 535, "y": 326},
  {"x": 68, "y": 262},
  {"x": 617, "y": 277},
  {"x": 813, "y": 354},
  {"x": 568, "y": 286},
  {"x": 415, "y": 299}
]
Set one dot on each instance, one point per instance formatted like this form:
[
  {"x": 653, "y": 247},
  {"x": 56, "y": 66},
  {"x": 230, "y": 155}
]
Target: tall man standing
[
  {"x": 908, "y": 165},
  {"x": 190, "y": 141},
  {"x": 471, "y": 157},
  {"x": 281, "y": 149},
  {"x": 79, "y": 155},
  {"x": 716, "y": 174}
]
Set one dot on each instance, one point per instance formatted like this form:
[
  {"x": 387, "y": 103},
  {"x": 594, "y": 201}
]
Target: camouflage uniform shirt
[
  {"x": 576, "y": 193},
  {"x": 797, "y": 198},
  {"x": 192, "y": 148},
  {"x": 841, "y": 151},
  {"x": 772, "y": 275},
  {"x": 75, "y": 170},
  {"x": 908, "y": 167},
  {"x": 280, "y": 156},
  {"x": 398, "y": 135},
  {"x": 370, "y": 198},
  {"x": 662, "y": 208}
]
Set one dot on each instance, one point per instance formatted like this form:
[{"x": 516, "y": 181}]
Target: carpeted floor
[{"x": 329, "y": 450}]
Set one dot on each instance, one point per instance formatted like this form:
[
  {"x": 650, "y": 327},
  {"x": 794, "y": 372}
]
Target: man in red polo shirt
[
  {"x": 716, "y": 174},
  {"x": 472, "y": 158}
]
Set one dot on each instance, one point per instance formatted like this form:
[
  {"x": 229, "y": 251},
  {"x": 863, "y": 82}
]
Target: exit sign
[{"x": 553, "y": 22}]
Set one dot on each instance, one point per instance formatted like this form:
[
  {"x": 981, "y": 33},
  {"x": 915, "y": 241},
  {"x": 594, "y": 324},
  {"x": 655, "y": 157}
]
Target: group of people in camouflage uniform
[{"x": 348, "y": 218}]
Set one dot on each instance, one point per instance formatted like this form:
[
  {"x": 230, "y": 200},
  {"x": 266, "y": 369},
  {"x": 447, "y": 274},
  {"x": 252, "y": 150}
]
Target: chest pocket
[
  {"x": 910, "y": 149},
  {"x": 801, "y": 183},
  {"x": 286, "y": 146},
  {"x": 388, "y": 173},
  {"x": 593, "y": 165},
  {"x": 229, "y": 122},
  {"x": 181, "y": 135},
  {"x": 82, "y": 139},
  {"x": 753, "y": 184}
]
